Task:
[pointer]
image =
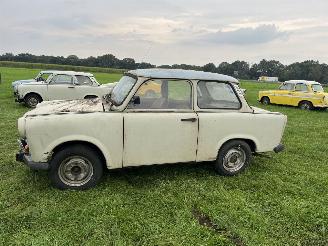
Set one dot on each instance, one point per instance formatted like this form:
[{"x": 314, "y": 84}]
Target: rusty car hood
[{"x": 61, "y": 107}]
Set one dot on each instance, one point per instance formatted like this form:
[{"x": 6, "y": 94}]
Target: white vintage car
[
  {"x": 61, "y": 85},
  {"x": 192, "y": 117}
]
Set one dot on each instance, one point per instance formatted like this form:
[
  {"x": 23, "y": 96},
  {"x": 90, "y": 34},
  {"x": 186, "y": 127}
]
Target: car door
[
  {"x": 61, "y": 87},
  {"x": 84, "y": 87},
  {"x": 161, "y": 127},
  {"x": 284, "y": 94},
  {"x": 301, "y": 92}
]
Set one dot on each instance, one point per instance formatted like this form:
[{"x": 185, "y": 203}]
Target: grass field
[{"x": 280, "y": 200}]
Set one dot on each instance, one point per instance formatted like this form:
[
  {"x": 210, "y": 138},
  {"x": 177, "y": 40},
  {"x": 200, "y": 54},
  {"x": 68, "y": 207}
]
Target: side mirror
[{"x": 135, "y": 100}]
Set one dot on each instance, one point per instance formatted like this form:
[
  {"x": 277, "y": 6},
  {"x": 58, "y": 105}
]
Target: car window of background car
[
  {"x": 317, "y": 88},
  {"x": 84, "y": 80},
  {"x": 287, "y": 86},
  {"x": 62, "y": 79},
  {"x": 301, "y": 87},
  {"x": 215, "y": 95},
  {"x": 164, "y": 94}
]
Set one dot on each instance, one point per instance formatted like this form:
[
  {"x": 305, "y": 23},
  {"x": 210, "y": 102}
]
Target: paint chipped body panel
[
  {"x": 128, "y": 135},
  {"x": 62, "y": 85},
  {"x": 294, "y": 92}
]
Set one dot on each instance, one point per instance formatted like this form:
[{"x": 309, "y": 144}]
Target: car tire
[
  {"x": 233, "y": 158},
  {"x": 305, "y": 105},
  {"x": 77, "y": 167},
  {"x": 265, "y": 100},
  {"x": 32, "y": 100}
]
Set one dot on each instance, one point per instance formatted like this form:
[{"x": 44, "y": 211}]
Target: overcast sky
[{"x": 168, "y": 31}]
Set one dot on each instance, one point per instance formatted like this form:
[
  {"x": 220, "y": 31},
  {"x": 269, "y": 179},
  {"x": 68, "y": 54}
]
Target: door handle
[
  {"x": 71, "y": 87},
  {"x": 189, "y": 119}
]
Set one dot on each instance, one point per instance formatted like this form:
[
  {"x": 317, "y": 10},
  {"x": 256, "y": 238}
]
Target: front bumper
[
  {"x": 25, "y": 158},
  {"x": 279, "y": 148}
]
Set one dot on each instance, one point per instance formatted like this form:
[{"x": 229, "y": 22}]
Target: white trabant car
[
  {"x": 61, "y": 85},
  {"x": 193, "y": 117}
]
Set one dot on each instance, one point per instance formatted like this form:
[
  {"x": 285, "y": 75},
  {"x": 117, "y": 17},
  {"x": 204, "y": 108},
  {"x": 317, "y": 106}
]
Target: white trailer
[{"x": 268, "y": 79}]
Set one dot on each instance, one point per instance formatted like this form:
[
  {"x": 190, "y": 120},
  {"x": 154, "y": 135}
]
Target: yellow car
[
  {"x": 306, "y": 95},
  {"x": 150, "y": 89}
]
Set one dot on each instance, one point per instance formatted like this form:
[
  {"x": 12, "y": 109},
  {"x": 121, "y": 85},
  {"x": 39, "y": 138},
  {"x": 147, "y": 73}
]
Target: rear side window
[
  {"x": 83, "y": 80},
  {"x": 301, "y": 87},
  {"x": 216, "y": 95}
]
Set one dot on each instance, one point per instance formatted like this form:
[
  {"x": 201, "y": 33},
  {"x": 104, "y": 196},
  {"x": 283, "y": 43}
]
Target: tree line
[{"x": 307, "y": 70}]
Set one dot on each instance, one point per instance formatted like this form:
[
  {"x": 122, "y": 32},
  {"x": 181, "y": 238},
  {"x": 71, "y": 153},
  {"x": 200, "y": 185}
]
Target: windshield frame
[{"x": 128, "y": 93}]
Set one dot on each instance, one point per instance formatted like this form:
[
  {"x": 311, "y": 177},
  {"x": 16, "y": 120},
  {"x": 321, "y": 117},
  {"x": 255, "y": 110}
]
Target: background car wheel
[
  {"x": 233, "y": 158},
  {"x": 32, "y": 100},
  {"x": 77, "y": 167},
  {"x": 265, "y": 100},
  {"x": 306, "y": 105}
]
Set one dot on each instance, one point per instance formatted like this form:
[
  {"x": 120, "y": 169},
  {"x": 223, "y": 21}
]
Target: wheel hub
[
  {"x": 75, "y": 171},
  {"x": 234, "y": 159}
]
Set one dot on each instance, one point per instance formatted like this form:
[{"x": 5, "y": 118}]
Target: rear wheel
[
  {"x": 305, "y": 105},
  {"x": 265, "y": 100},
  {"x": 77, "y": 167},
  {"x": 233, "y": 158},
  {"x": 32, "y": 100}
]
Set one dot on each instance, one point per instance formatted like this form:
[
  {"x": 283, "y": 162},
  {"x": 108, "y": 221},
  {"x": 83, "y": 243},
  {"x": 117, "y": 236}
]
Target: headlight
[{"x": 21, "y": 127}]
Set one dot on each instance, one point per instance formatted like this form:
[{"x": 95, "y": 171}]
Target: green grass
[{"x": 280, "y": 200}]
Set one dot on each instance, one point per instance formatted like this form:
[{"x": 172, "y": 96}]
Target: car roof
[
  {"x": 50, "y": 71},
  {"x": 302, "y": 81},
  {"x": 181, "y": 74},
  {"x": 73, "y": 73}
]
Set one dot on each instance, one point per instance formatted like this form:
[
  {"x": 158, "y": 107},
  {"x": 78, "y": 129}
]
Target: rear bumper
[
  {"x": 26, "y": 159},
  {"x": 279, "y": 148}
]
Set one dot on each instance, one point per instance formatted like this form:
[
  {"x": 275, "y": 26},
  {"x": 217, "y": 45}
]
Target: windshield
[
  {"x": 122, "y": 89},
  {"x": 317, "y": 87}
]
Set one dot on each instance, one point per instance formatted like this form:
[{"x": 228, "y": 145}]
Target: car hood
[
  {"x": 108, "y": 85},
  {"x": 262, "y": 111},
  {"x": 63, "y": 107},
  {"x": 24, "y": 81}
]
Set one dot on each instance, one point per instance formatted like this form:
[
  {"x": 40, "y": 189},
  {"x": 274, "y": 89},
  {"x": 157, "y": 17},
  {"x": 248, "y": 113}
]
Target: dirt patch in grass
[{"x": 204, "y": 220}]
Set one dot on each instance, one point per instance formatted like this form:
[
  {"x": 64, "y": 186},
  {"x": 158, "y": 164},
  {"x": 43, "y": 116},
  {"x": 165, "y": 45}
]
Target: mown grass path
[{"x": 280, "y": 200}]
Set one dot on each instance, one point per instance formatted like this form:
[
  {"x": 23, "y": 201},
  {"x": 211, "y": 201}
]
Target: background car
[
  {"x": 62, "y": 86},
  {"x": 300, "y": 93}
]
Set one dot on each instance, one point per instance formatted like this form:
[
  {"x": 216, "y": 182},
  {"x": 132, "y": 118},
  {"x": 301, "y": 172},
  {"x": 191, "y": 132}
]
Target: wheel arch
[
  {"x": 92, "y": 146},
  {"x": 32, "y": 93},
  {"x": 90, "y": 96},
  {"x": 250, "y": 141},
  {"x": 303, "y": 101}
]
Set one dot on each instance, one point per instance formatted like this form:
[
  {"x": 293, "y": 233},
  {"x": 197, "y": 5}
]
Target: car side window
[
  {"x": 164, "y": 94},
  {"x": 301, "y": 87},
  {"x": 216, "y": 95},
  {"x": 84, "y": 80},
  {"x": 62, "y": 79},
  {"x": 287, "y": 87}
]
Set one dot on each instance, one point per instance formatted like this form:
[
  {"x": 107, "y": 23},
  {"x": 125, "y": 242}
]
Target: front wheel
[
  {"x": 234, "y": 157},
  {"x": 77, "y": 167},
  {"x": 32, "y": 100},
  {"x": 265, "y": 100}
]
